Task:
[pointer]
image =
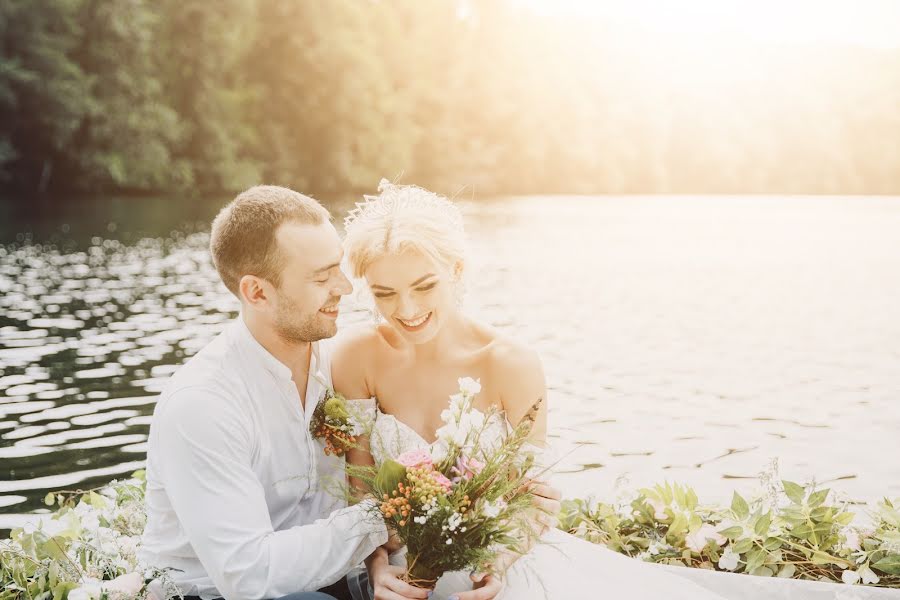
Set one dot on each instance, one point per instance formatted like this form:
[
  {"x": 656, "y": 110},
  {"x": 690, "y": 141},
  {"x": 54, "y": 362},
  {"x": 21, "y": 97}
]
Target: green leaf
[
  {"x": 772, "y": 543},
  {"x": 732, "y": 532},
  {"x": 821, "y": 558},
  {"x": 692, "y": 500},
  {"x": 817, "y": 498},
  {"x": 695, "y": 522},
  {"x": 821, "y": 513},
  {"x": 787, "y": 571},
  {"x": 739, "y": 506},
  {"x": 762, "y": 524},
  {"x": 755, "y": 559},
  {"x": 801, "y": 531},
  {"x": 820, "y": 531},
  {"x": 794, "y": 491},
  {"x": 742, "y": 546},
  {"x": 889, "y": 564},
  {"x": 679, "y": 525},
  {"x": 390, "y": 474},
  {"x": 844, "y": 518},
  {"x": 63, "y": 589}
]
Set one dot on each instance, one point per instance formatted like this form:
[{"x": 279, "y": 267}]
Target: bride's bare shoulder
[
  {"x": 511, "y": 360},
  {"x": 354, "y": 353},
  {"x": 518, "y": 374}
]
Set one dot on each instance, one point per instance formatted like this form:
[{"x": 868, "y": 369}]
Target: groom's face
[{"x": 312, "y": 283}]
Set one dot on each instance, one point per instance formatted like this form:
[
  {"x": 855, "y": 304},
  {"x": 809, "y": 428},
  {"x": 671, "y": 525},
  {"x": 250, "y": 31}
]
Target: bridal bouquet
[{"x": 459, "y": 504}]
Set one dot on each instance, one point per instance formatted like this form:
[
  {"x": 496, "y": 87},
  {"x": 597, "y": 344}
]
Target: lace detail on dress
[{"x": 389, "y": 437}]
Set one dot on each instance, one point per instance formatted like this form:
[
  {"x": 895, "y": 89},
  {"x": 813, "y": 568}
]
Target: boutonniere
[{"x": 331, "y": 422}]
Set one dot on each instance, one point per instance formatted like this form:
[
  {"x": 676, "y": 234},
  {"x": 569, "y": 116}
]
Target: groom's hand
[{"x": 386, "y": 582}]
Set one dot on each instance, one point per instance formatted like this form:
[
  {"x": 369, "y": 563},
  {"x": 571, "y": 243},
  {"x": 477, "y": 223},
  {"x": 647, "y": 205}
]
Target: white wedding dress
[{"x": 565, "y": 567}]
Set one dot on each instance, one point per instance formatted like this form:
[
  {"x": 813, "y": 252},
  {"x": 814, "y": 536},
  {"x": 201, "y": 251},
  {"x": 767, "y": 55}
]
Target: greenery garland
[{"x": 87, "y": 549}]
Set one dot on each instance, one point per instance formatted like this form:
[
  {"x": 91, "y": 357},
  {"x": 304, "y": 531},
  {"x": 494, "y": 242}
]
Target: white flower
[
  {"x": 90, "y": 521},
  {"x": 439, "y": 450},
  {"x": 89, "y": 590},
  {"x": 851, "y": 539},
  {"x": 492, "y": 509},
  {"x": 469, "y": 386},
  {"x": 129, "y": 584},
  {"x": 655, "y": 548},
  {"x": 449, "y": 541},
  {"x": 454, "y": 521},
  {"x": 659, "y": 508},
  {"x": 868, "y": 576},
  {"x": 850, "y": 577},
  {"x": 697, "y": 540},
  {"x": 452, "y": 433},
  {"x": 729, "y": 560},
  {"x": 645, "y": 556}
]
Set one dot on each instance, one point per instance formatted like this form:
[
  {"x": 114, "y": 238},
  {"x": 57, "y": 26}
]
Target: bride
[{"x": 409, "y": 245}]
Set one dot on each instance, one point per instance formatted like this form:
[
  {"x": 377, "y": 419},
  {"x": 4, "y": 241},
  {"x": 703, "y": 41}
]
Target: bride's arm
[
  {"x": 520, "y": 377},
  {"x": 352, "y": 355},
  {"x": 349, "y": 375}
]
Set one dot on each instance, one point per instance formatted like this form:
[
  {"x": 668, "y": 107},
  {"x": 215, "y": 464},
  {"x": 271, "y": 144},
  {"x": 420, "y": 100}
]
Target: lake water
[{"x": 689, "y": 339}]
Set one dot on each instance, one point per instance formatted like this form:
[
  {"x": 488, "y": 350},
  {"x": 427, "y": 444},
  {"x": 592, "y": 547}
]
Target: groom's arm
[{"x": 204, "y": 452}]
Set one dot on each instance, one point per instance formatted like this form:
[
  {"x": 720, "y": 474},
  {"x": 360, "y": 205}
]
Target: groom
[{"x": 236, "y": 485}]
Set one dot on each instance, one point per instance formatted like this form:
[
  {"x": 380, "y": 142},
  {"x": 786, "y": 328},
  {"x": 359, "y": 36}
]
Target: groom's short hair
[{"x": 242, "y": 240}]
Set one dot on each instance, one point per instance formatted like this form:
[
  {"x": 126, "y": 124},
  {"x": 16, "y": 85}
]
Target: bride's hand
[
  {"x": 546, "y": 499},
  {"x": 386, "y": 582},
  {"x": 484, "y": 587},
  {"x": 393, "y": 544}
]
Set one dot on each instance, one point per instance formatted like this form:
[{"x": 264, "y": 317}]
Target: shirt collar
[{"x": 271, "y": 364}]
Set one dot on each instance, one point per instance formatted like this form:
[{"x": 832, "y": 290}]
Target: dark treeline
[{"x": 330, "y": 96}]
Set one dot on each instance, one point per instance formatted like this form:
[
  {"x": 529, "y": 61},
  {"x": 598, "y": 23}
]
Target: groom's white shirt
[{"x": 237, "y": 489}]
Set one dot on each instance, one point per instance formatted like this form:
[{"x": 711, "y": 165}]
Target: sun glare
[{"x": 873, "y": 23}]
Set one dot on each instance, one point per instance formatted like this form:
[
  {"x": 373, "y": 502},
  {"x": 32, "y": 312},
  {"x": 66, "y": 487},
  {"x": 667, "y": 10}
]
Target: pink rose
[
  {"x": 441, "y": 480},
  {"x": 467, "y": 468},
  {"x": 415, "y": 458}
]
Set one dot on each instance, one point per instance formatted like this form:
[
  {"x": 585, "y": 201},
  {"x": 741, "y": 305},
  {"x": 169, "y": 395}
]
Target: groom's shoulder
[{"x": 215, "y": 369}]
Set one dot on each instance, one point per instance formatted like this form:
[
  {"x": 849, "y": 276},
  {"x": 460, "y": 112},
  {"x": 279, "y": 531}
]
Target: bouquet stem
[{"x": 421, "y": 576}]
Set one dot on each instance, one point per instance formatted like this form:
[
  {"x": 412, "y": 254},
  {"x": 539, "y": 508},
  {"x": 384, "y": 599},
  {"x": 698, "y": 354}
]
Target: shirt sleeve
[{"x": 204, "y": 452}]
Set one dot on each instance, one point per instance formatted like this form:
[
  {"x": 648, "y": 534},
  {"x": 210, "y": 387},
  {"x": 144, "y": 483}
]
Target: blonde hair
[
  {"x": 401, "y": 218},
  {"x": 242, "y": 240}
]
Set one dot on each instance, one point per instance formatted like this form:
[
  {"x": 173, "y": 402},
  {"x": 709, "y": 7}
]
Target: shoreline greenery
[
  {"x": 482, "y": 96},
  {"x": 87, "y": 549}
]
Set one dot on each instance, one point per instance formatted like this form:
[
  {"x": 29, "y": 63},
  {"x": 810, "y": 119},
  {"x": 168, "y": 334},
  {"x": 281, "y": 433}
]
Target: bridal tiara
[{"x": 393, "y": 198}]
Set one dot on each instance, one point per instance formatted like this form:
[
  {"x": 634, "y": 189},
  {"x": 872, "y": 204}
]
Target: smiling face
[
  {"x": 304, "y": 306},
  {"x": 414, "y": 294}
]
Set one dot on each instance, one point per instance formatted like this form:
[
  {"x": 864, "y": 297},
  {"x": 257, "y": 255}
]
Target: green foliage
[
  {"x": 483, "y": 95},
  {"x": 792, "y": 532},
  {"x": 89, "y": 542}
]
